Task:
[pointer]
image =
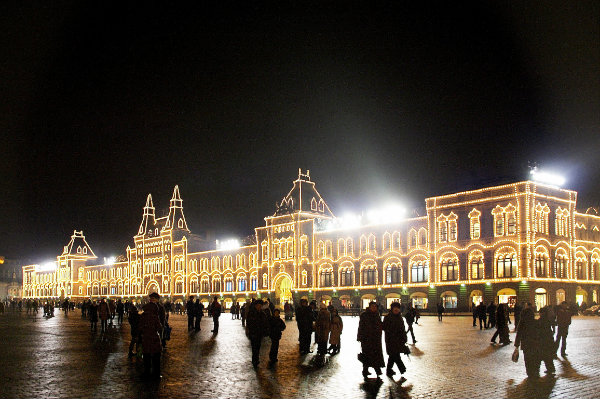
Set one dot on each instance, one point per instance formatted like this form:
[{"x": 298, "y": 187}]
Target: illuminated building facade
[{"x": 521, "y": 241}]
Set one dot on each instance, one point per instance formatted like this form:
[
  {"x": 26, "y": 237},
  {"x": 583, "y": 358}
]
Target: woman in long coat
[
  {"x": 150, "y": 328},
  {"x": 336, "y": 330},
  {"x": 103, "y": 312},
  {"x": 322, "y": 328},
  {"x": 369, "y": 335}
]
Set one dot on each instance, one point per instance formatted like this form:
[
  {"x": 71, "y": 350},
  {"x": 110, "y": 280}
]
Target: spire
[
  {"x": 176, "y": 219},
  {"x": 148, "y": 220}
]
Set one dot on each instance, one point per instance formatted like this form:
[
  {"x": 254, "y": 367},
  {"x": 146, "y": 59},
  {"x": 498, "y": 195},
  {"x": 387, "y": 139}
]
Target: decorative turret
[
  {"x": 148, "y": 220},
  {"x": 176, "y": 219},
  {"x": 78, "y": 247},
  {"x": 304, "y": 198}
]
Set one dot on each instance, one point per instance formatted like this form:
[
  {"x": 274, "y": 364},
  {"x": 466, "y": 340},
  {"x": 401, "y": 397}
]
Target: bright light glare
[
  {"x": 350, "y": 220},
  {"x": 48, "y": 266},
  {"x": 547, "y": 177},
  {"x": 110, "y": 260},
  {"x": 228, "y": 244},
  {"x": 386, "y": 214}
]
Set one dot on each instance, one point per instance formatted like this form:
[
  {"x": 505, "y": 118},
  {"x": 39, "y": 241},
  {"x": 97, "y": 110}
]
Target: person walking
[
  {"x": 322, "y": 329},
  {"x": 410, "y": 319},
  {"x": 257, "y": 325},
  {"x": 304, "y": 320},
  {"x": 563, "y": 321},
  {"x": 134, "y": 321},
  {"x": 120, "y": 311},
  {"x": 199, "y": 313},
  {"x": 216, "y": 313},
  {"x": 474, "y": 311},
  {"x": 546, "y": 338},
  {"x": 336, "y": 331},
  {"x": 150, "y": 329},
  {"x": 104, "y": 314},
  {"x": 93, "y": 316},
  {"x": 113, "y": 310},
  {"x": 243, "y": 312},
  {"x": 440, "y": 310},
  {"x": 369, "y": 336},
  {"x": 517, "y": 312},
  {"x": 527, "y": 339},
  {"x": 501, "y": 325},
  {"x": 491, "y": 312},
  {"x": 287, "y": 310},
  {"x": 190, "y": 309},
  {"x": 276, "y": 327},
  {"x": 482, "y": 313},
  {"x": 395, "y": 339}
]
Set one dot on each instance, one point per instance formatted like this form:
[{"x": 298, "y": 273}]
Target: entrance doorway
[
  {"x": 283, "y": 291},
  {"x": 507, "y": 296},
  {"x": 541, "y": 298}
]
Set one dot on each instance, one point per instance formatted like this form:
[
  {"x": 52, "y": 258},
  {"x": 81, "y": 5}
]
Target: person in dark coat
[
  {"x": 501, "y": 325},
  {"x": 199, "y": 312},
  {"x": 190, "y": 309},
  {"x": 337, "y": 325},
  {"x": 517, "y": 312},
  {"x": 150, "y": 329},
  {"x": 474, "y": 311},
  {"x": 440, "y": 311},
  {"x": 120, "y": 311},
  {"x": 322, "y": 329},
  {"x": 276, "y": 327},
  {"x": 134, "y": 321},
  {"x": 491, "y": 311},
  {"x": 410, "y": 319},
  {"x": 563, "y": 320},
  {"x": 547, "y": 348},
  {"x": 258, "y": 327},
  {"x": 104, "y": 314},
  {"x": 304, "y": 319},
  {"x": 93, "y": 315},
  {"x": 369, "y": 336},
  {"x": 216, "y": 313},
  {"x": 395, "y": 339},
  {"x": 527, "y": 339},
  {"x": 481, "y": 312}
]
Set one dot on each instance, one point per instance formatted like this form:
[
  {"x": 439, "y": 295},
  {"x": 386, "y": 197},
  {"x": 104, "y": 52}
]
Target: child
[
  {"x": 336, "y": 330},
  {"x": 276, "y": 327}
]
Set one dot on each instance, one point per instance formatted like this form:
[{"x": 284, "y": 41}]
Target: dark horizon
[{"x": 396, "y": 102}]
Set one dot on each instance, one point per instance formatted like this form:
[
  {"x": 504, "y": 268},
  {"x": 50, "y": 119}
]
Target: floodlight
[{"x": 546, "y": 177}]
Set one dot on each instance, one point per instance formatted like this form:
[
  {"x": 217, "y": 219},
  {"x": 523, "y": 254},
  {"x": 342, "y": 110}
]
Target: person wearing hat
[
  {"x": 190, "y": 309},
  {"x": 322, "y": 329},
  {"x": 216, "y": 313},
  {"x": 258, "y": 327},
  {"x": 369, "y": 336},
  {"x": 395, "y": 338}
]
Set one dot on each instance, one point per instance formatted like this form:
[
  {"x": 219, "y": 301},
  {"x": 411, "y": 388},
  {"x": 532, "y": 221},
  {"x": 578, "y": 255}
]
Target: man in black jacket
[
  {"x": 395, "y": 339},
  {"x": 304, "y": 319},
  {"x": 258, "y": 327},
  {"x": 190, "y": 309},
  {"x": 199, "y": 312},
  {"x": 276, "y": 327}
]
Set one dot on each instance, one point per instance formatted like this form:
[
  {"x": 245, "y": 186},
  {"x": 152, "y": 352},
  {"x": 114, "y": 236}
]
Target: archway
[
  {"x": 419, "y": 300},
  {"x": 449, "y": 299},
  {"x": 366, "y": 299},
  {"x": 541, "y": 298},
  {"x": 561, "y": 296},
  {"x": 391, "y": 298},
  {"x": 581, "y": 296},
  {"x": 326, "y": 299},
  {"x": 508, "y": 296},
  {"x": 283, "y": 289},
  {"x": 476, "y": 298},
  {"x": 152, "y": 287}
]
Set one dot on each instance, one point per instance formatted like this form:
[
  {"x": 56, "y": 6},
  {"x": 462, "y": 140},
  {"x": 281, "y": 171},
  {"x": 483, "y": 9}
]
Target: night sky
[{"x": 102, "y": 104}]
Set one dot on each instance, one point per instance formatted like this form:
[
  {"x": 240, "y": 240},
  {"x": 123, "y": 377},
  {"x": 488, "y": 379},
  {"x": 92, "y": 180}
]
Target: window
[
  {"x": 253, "y": 283},
  {"x": 474, "y": 217},
  {"x": 396, "y": 241},
  {"x": 372, "y": 244},
  {"x": 265, "y": 280},
  {"x": 449, "y": 270},
  {"x": 392, "y": 274},
  {"x": 346, "y": 277},
  {"x": 506, "y": 265},
  {"x": 276, "y": 248},
  {"x": 562, "y": 222},
  {"x": 499, "y": 225},
  {"x": 369, "y": 276},
  {"x": 512, "y": 223},
  {"x": 304, "y": 277},
  {"x": 304, "y": 244},
  {"x": 363, "y": 245},
  {"x": 326, "y": 278},
  {"x": 216, "y": 285},
  {"x": 580, "y": 268},
  {"x": 443, "y": 227},
  {"x": 265, "y": 252},
  {"x": 419, "y": 272},
  {"x": 328, "y": 249},
  {"x": 541, "y": 265},
  {"x": 242, "y": 284},
  {"x": 541, "y": 218},
  {"x": 341, "y": 248},
  {"x": 560, "y": 265},
  {"x": 290, "y": 245},
  {"x": 412, "y": 238},
  {"x": 228, "y": 285},
  {"x": 422, "y": 237},
  {"x": 386, "y": 242},
  {"x": 453, "y": 233},
  {"x": 313, "y": 204},
  {"x": 477, "y": 267},
  {"x": 349, "y": 247}
]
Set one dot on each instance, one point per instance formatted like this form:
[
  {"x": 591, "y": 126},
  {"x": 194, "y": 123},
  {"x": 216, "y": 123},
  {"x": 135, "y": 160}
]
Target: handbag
[{"x": 515, "y": 355}]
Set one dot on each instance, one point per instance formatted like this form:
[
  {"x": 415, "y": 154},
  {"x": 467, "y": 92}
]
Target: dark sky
[{"x": 102, "y": 104}]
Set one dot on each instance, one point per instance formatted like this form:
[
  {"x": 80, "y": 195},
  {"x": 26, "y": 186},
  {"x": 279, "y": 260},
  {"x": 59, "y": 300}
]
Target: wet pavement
[{"x": 59, "y": 357}]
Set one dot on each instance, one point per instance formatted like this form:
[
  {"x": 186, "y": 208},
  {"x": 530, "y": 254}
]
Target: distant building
[
  {"x": 514, "y": 242},
  {"x": 11, "y": 278}
]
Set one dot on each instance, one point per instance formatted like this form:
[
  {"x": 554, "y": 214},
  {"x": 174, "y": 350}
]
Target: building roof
[
  {"x": 78, "y": 246},
  {"x": 303, "y": 198}
]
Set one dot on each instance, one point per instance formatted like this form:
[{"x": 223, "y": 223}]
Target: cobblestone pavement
[{"x": 60, "y": 357}]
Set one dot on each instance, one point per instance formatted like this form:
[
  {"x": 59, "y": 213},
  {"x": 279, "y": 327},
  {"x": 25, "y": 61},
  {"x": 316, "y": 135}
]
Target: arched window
[
  {"x": 369, "y": 275},
  {"x": 422, "y": 238},
  {"x": 506, "y": 264},
  {"x": 321, "y": 249},
  {"x": 349, "y": 247},
  {"x": 372, "y": 244},
  {"x": 396, "y": 241},
  {"x": 204, "y": 286},
  {"x": 541, "y": 262},
  {"x": 242, "y": 283},
  {"x": 326, "y": 278},
  {"x": 560, "y": 264},
  {"x": 328, "y": 249},
  {"x": 393, "y": 274},
  {"x": 363, "y": 245},
  {"x": 412, "y": 238},
  {"x": 580, "y": 266},
  {"x": 265, "y": 280},
  {"x": 474, "y": 217},
  {"x": 386, "y": 242},
  {"x": 253, "y": 282},
  {"x": 419, "y": 272},
  {"x": 449, "y": 269},
  {"x": 229, "y": 283},
  {"x": 476, "y": 265},
  {"x": 346, "y": 276},
  {"x": 341, "y": 248},
  {"x": 541, "y": 218}
]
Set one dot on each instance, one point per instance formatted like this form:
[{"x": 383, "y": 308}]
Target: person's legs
[
  {"x": 147, "y": 364},
  {"x": 274, "y": 350},
  {"x": 156, "y": 364},
  {"x": 255, "y": 342},
  {"x": 495, "y": 336}
]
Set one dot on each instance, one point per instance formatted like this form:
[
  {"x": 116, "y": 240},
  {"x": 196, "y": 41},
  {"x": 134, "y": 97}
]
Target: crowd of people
[{"x": 539, "y": 339}]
